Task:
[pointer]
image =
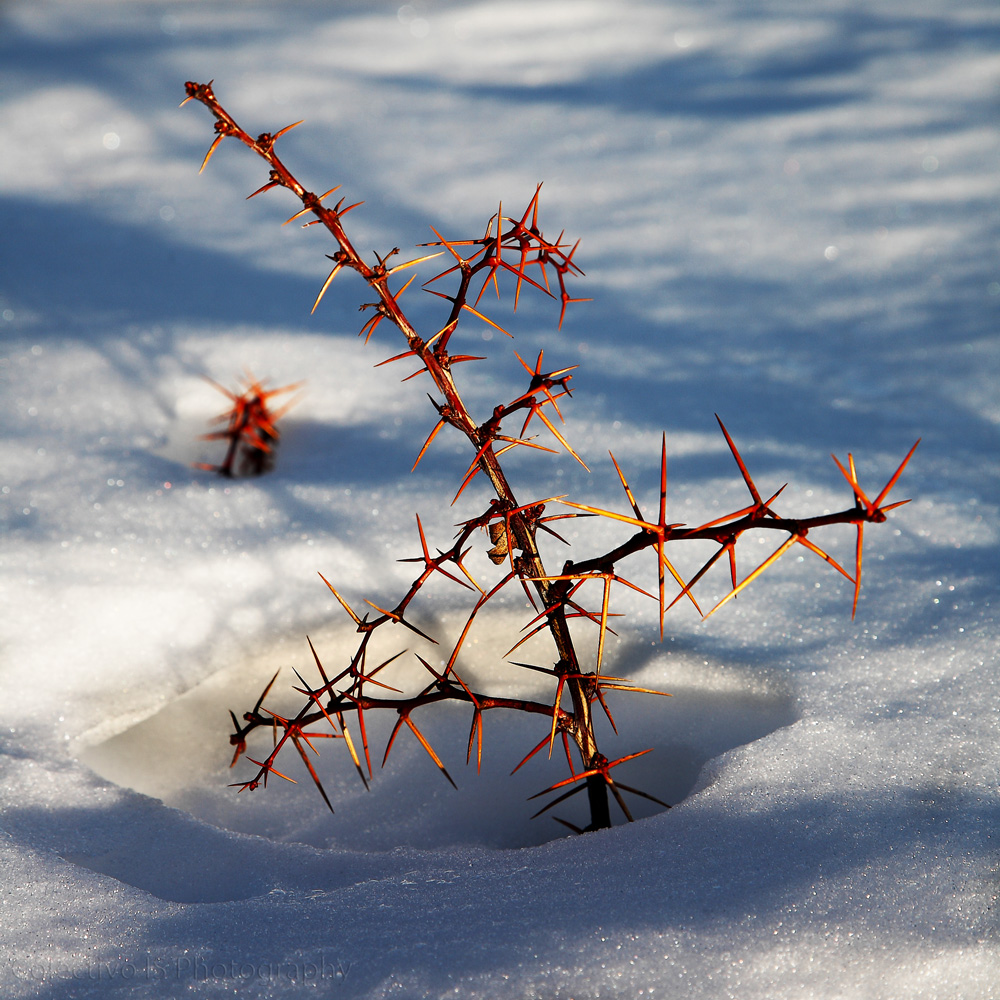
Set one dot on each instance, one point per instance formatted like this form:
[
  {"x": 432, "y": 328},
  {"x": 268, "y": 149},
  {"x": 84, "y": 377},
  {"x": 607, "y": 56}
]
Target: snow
[{"x": 788, "y": 215}]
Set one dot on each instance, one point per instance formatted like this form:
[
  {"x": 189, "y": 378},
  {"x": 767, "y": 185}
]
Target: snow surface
[{"x": 788, "y": 215}]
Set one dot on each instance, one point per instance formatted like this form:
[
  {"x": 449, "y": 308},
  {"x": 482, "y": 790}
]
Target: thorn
[
  {"x": 326, "y": 284},
  {"x": 353, "y": 752},
  {"x": 211, "y": 150},
  {"x": 266, "y": 187},
  {"x": 569, "y": 826},
  {"x": 397, "y": 617},
  {"x": 312, "y": 773},
  {"x": 433, "y": 434},
  {"x": 531, "y": 753},
  {"x": 430, "y": 750},
  {"x": 411, "y": 263},
  {"x": 859, "y": 497},
  {"x": 271, "y": 769},
  {"x": 486, "y": 319},
  {"x": 739, "y": 461},
  {"x": 773, "y": 557},
  {"x": 857, "y": 567},
  {"x": 343, "y": 603},
  {"x": 476, "y": 732},
  {"x": 895, "y": 476},
  {"x": 398, "y": 294},
  {"x": 264, "y": 693},
  {"x": 556, "y": 801},
  {"x": 548, "y": 423},
  {"x": 287, "y": 128}
]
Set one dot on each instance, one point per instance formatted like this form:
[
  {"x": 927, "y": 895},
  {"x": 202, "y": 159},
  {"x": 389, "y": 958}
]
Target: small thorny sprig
[
  {"x": 251, "y": 430},
  {"x": 579, "y": 594}
]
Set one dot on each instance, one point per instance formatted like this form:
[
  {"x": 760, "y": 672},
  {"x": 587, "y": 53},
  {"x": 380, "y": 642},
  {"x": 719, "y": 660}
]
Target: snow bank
[{"x": 788, "y": 217}]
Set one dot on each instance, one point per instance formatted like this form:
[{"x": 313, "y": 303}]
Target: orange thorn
[
  {"x": 548, "y": 423},
  {"x": 343, "y": 603},
  {"x": 211, "y": 150},
  {"x": 802, "y": 540},
  {"x": 433, "y": 434},
  {"x": 397, "y": 295},
  {"x": 271, "y": 769},
  {"x": 430, "y": 750},
  {"x": 287, "y": 128},
  {"x": 739, "y": 461},
  {"x": 852, "y": 478},
  {"x": 485, "y": 319},
  {"x": 326, "y": 285},
  {"x": 627, "y": 488},
  {"x": 773, "y": 557},
  {"x": 411, "y": 263},
  {"x": 857, "y": 567},
  {"x": 892, "y": 482},
  {"x": 531, "y": 754}
]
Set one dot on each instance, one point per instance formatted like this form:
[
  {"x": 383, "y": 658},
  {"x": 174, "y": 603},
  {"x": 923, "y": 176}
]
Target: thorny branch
[
  {"x": 251, "y": 432},
  {"x": 511, "y": 246}
]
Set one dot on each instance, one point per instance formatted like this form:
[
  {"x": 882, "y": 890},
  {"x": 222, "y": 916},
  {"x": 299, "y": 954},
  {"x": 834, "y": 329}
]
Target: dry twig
[{"x": 510, "y": 248}]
